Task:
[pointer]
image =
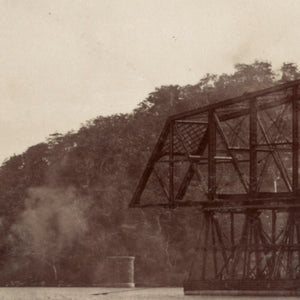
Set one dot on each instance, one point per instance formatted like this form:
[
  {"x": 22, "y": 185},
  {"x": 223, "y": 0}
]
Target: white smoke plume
[{"x": 53, "y": 220}]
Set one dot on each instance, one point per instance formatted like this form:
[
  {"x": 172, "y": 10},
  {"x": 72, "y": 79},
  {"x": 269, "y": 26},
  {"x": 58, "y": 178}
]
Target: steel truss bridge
[{"x": 238, "y": 162}]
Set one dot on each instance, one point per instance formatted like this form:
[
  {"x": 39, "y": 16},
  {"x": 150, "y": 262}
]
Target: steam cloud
[{"x": 53, "y": 220}]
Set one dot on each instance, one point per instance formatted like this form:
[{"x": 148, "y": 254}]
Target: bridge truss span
[{"x": 238, "y": 162}]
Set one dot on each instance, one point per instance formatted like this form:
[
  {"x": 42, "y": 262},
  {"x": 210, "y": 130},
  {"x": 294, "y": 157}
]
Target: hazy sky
[{"x": 66, "y": 61}]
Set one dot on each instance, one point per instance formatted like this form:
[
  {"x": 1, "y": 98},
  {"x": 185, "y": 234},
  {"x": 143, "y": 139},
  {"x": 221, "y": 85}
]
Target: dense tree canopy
[{"x": 64, "y": 201}]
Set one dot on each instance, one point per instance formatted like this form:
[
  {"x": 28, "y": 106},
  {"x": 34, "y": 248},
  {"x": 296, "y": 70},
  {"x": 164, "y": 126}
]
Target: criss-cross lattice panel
[
  {"x": 246, "y": 146},
  {"x": 185, "y": 138}
]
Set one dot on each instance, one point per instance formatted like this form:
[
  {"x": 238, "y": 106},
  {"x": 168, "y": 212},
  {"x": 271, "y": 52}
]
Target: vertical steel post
[
  {"x": 273, "y": 238},
  {"x": 298, "y": 238},
  {"x": 253, "y": 145},
  {"x": 171, "y": 164},
  {"x": 232, "y": 229},
  {"x": 214, "y": 246},
  {"x": 205, "y": 244},
  {"x": 249, "y": 249},
  {"x": 256, "y": 245},
  {"x": 245, "y": 245},
  {"x": 212, "y": 186},
  {"x": 295, "y": 139},
  {"x": 290, "y": 238}
]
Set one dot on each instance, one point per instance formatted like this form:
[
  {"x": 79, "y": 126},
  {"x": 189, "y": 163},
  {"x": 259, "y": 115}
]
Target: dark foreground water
[{"x": 110, "y": 293}]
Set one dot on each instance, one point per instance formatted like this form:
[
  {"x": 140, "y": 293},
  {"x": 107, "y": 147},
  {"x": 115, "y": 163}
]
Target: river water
[{"x": 94, "y": 293}]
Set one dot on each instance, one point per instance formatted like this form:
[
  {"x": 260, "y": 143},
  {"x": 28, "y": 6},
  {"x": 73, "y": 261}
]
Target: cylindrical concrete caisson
[{"x": 120, "y": 271}]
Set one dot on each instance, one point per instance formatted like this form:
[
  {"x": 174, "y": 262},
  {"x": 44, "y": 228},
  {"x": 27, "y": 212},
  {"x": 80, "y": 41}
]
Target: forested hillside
[{"x": 64, "y": 202}]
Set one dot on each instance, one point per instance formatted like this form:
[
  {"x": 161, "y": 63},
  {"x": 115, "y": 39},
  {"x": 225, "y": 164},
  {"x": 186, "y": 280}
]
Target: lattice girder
[{"x": 231, "y": 155}]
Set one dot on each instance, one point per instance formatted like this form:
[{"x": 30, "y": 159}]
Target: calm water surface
[{"x": 110, "y": 294}]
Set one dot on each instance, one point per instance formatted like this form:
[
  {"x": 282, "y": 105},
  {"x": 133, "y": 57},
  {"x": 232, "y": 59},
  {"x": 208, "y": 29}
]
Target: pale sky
[{"x": 63, "y": 62}]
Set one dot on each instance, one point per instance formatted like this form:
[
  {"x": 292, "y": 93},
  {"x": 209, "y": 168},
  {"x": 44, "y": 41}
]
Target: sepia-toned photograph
[{"x": 149, "y": 149}]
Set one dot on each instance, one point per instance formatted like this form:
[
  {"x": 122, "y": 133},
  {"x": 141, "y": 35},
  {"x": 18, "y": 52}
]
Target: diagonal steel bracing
[{"x": 237, "y": 161}]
